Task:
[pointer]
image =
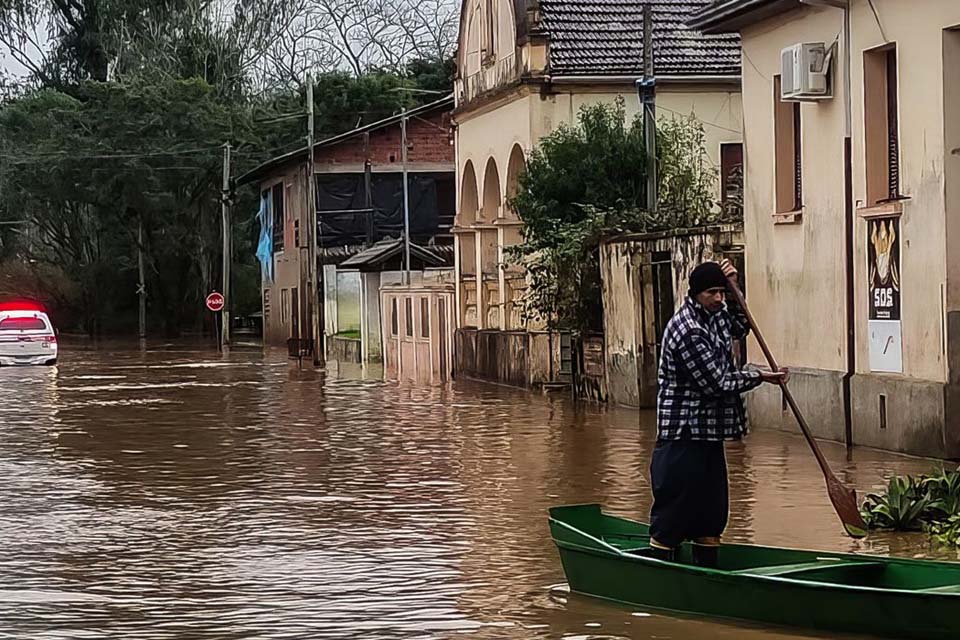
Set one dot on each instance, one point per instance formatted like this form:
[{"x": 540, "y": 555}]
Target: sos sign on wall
[{"x": 883, "y": 267}]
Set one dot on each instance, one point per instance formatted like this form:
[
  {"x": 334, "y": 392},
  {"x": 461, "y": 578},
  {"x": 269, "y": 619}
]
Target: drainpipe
[
  {"x": 848, "y": 227},
  {"x": 848, "y": 230}
]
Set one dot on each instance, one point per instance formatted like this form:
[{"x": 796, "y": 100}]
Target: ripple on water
[{"x": 177, "y": 493}]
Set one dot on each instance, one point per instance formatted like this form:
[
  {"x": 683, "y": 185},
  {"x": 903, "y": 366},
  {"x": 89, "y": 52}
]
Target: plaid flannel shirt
[{"x": 700, "y": 386}]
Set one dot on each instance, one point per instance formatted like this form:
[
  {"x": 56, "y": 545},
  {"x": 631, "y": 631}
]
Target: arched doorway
[
  {"x": 514, "y": 168},
  {"x": 467, "y": 247},
  {"x": 490, "y": 250},
  {"x": 469, "y": 201},
  {"x": 514, "y": 282},
  {"x": 491, "y": 192}
]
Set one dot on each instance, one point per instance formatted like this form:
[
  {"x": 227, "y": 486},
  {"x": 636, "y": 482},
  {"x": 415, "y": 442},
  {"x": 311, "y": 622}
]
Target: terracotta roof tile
[{"x": 605, "y": 37}]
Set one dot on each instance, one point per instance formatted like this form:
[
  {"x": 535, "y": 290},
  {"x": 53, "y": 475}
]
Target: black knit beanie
[{"x": 708, "y": 275}]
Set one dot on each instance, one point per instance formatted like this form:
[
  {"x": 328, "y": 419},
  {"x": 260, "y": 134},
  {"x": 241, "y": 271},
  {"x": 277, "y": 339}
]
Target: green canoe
[{"x": 871, "y": 595}]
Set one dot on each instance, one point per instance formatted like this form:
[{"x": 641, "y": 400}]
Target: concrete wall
[
  {"x": 344, "y": 349},
  {"x": 628, "y": 302},
  {"x": 517, "y": 358},
  {"x": 371, "y": 315},
  {"x": 796, "y": 272},
  {"x": 348, "y": 301},
  {"x": 330, "y": 299}
]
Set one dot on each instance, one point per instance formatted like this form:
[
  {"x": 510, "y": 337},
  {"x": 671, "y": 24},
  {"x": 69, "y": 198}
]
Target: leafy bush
[
  {"x": 904, "y": 507},
  {"x": 585, "y": 182},
  {"x": 944, "y": 488},
  {"x": 946, "y": 531},
  {"x": 927, "y": 503}
]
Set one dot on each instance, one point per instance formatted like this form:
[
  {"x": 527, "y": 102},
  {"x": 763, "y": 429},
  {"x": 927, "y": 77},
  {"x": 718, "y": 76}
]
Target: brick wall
[{"x": 429, "y": 137}]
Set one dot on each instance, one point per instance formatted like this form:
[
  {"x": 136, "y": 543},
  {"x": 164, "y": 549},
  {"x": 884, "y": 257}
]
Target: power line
[
  {"x": 432, "y": 124},
  {"x": 755, "y": 68},
  {"x": 706, "y": 122},
  {"x": 876, "y": 16},
  {"x": 53, "y": 155}
]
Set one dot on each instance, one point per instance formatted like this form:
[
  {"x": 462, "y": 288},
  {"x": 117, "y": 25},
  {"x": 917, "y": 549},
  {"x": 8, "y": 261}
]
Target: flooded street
[{"x": 181, "y": 494}]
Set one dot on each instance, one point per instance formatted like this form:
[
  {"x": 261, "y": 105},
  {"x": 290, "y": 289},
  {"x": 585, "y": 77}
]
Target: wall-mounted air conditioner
[{"x": 804, "y": 72}]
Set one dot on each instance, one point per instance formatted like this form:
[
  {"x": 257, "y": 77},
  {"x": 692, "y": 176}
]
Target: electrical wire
[
  {"x": 705, "y": 122},
  {"x": 107, "y": 156},
  {"x": 876, "y": 16},
  {"x": 755, "y": 68}
]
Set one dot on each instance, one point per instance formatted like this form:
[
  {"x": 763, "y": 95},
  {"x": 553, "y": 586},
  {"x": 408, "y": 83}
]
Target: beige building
[
  {"x": 859, "y": 293},
  {"x": 524, "y": 68}
]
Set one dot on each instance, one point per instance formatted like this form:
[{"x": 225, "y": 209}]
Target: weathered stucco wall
[
  {"x": 525, "y": 117},
  {"x": 920, "y": 40},
  {"x": 796, "y": 272},
  {"x": 629, "y": 312},
  {"x": 517, "y": 358}
]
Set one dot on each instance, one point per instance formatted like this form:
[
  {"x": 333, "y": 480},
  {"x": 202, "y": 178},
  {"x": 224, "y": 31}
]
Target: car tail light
[
  {"x": 52, "y": 339},
  {"x": 21, "y": 305}
]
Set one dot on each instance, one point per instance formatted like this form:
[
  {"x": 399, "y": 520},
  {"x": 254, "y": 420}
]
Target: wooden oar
[{"x": 844, "y": 498}]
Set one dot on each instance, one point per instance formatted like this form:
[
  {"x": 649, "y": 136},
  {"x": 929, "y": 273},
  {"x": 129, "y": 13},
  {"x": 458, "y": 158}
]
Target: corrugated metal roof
[{"x": 389, "y": 248}]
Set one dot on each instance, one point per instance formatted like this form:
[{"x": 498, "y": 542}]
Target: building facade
[
  {"x": 853, "y": 265},
  {"x": 358, "y": 196},
  {"x": 524, "y": 68}
]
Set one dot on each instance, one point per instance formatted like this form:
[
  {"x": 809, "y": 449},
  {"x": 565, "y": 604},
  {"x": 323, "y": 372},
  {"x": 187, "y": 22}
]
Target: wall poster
[{"x": 883, "y": 267}]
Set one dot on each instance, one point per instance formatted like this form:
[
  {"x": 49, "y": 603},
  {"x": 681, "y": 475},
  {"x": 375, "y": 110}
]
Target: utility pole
[
  {"x": 314, "y": 273},
  {"x": 647, "y": 90},
  {"x": 142, "y": 287},
  {"x": 406, "y": 198},
  {"x": 227, "y": 249},
  {"x": 406, "y": 188}
]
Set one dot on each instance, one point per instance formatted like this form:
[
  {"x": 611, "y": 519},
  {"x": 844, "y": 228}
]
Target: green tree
[
  {"x": 120, "y": 126},
  {"x": 91, "y": 169},
  {"x": 585, "y": 182},
  {"x": 110, "y": 39}
]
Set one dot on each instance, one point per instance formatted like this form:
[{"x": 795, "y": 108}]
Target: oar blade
[{"x": 845, "y": 503}]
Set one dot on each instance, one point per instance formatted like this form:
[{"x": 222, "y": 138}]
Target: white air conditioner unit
[{"x": 804, "y": 69}]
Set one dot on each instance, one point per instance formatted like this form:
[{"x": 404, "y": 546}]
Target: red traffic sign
[{"x": 215, "y": 301}]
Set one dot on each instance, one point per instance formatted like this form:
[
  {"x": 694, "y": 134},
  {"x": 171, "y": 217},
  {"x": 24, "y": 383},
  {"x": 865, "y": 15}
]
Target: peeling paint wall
[
  {"x": 528, "y": 359},
  {"x": 630, "y": 322}
]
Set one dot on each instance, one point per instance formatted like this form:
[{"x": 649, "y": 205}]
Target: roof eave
[
  {"x": 390, "y": 252},
  {"x": 712, "y": 79},
  {"x": 730, "y": 16}
]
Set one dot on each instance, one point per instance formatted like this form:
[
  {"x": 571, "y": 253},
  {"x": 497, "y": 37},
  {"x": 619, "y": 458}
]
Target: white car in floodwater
[{"x": 26, "y": 336}]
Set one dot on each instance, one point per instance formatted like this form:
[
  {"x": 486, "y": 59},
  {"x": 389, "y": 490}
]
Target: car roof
[{"x": 18, "y": 313}]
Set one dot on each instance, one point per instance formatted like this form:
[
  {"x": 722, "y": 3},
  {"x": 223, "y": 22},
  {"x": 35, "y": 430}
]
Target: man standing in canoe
[{"x": 698, "y": 408}]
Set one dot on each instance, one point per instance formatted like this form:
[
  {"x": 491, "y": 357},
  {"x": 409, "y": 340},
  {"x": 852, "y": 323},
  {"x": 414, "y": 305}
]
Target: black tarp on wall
[{"x": 341, "y": 204}]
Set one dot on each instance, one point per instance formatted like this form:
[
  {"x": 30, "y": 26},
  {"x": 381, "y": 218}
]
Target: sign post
[{"x": 215, "y": 302}]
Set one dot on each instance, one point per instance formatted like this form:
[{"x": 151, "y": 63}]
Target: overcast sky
[{"x": 10, "y": 65}]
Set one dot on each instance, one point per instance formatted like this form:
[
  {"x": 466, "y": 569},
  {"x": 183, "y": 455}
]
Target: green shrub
[{"x": 924, "y": 503}]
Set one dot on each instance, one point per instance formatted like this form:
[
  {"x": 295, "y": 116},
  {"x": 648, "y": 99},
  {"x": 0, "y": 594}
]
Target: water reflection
[{"x": 179, "y": 493}]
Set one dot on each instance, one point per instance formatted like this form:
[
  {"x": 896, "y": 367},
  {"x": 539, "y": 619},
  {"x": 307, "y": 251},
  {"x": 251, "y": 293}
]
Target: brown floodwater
[{"x": 179, "y": 493}]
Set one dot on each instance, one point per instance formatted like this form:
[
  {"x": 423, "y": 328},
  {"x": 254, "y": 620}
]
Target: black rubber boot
[
  {"x": 705, "y": 556},
  {"x": 667, "y": 555}
]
